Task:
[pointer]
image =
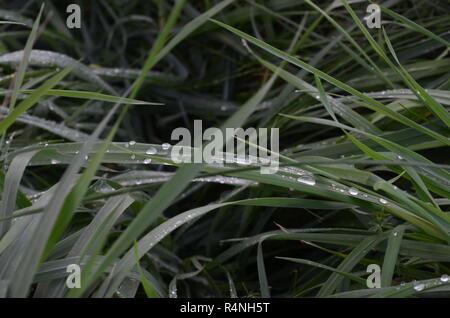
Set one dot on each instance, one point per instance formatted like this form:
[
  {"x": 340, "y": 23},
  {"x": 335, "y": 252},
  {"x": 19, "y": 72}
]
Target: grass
[{"x": 87, "y": 177}]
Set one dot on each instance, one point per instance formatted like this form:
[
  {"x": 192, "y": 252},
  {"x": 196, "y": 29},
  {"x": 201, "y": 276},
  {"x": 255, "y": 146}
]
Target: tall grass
[{"x": 87, "y": 177}]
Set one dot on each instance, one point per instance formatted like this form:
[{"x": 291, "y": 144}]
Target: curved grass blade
[
  {"x": 43, "y": 58},
  {"x": 371, "y": 103},
  {"x": 33, "y": 99},
  {"x": 93, "y": 96},
  {"x": 312, "y": 263},
  {"x": 414, "y": 26},
  {"x": 20, "y": 75},
  {"x": 391, "y": 255}
]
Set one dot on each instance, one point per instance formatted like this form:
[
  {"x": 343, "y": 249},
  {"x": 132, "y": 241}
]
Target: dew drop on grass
[
  {"x": 165, "y": 146},
  {"x": 151, "y": 151},
  {"x": 147, "y": 161},
  {"x": 395, "y": 233},
  {"x": 242, "y": 161},
  {"x": 419, "y": 287},
  {"x": 133, "y": 157},
  {"x": 132, "y": 143},
  {"x": 444, "y": 278},
  {"x": 307, "y": 180},
  {"x": 353, "y": 191},
  {"x": 382, "y": 201},
  {"x": 54, "y": 162}
]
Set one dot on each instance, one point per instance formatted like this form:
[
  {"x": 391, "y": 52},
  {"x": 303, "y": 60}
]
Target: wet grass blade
[
  {"x": 33, "y": 99},
  {"x": 93, "y": 96},
  {"x": 18, "y": 79},
  {"x": 391, "y": 255}
]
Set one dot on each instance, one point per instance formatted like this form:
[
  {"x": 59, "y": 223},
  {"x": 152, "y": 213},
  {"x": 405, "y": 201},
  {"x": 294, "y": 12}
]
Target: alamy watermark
[
  {"x": 242, "y": 146},
  {"x": 374, "y": 279},
  {"x": 73, "y": 20},
  {"x": 373, "y": 20},
  {"x": 74, "y": 278}
]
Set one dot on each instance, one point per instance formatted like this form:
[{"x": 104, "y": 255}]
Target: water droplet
[
  {"x": 307, "y": 180},
  {"x": 399, "y": 157},
  {"x": 402, "y": 284},
  {"x": 151, "y": 151},
  {"x": 133, "y": 157},
  {"x": 77, "y": 152},
  {"x": 165, "y": 146},
  {"x": 86, "y": 157},
  {"x": 419, "y": 287},
  {"x": 54, "y": 162},
  {"x": 382, "y": 201},
  {"x": 242, "y": 161},
  {"x": 147, "y": 161},
  {"x": 395, "y": 233},
  {"x": 444, "y": 278},
  {"x": 132, "y": 143},
  {"x": 353, "y": 191}
]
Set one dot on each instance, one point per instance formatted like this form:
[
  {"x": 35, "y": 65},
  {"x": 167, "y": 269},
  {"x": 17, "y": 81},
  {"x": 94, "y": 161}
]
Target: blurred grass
[{"x": 363, "y": 114}]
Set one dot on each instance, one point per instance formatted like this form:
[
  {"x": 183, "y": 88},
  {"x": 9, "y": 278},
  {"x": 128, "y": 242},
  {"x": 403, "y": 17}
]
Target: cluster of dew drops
[{"x": 421, "y": 286}]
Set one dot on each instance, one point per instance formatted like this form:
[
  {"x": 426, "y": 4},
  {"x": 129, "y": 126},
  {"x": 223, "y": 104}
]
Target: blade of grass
[
  {"x": 33, "y": 99},
  {"x": 391, "y": 255}
]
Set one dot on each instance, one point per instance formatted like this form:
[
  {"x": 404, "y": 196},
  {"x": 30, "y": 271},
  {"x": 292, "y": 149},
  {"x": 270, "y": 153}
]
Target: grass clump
[{"x": 87, "y": 177}]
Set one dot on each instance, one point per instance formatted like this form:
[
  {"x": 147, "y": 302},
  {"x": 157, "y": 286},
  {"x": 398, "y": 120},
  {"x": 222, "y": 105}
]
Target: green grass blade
[{"x": 33, "y": 99}]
